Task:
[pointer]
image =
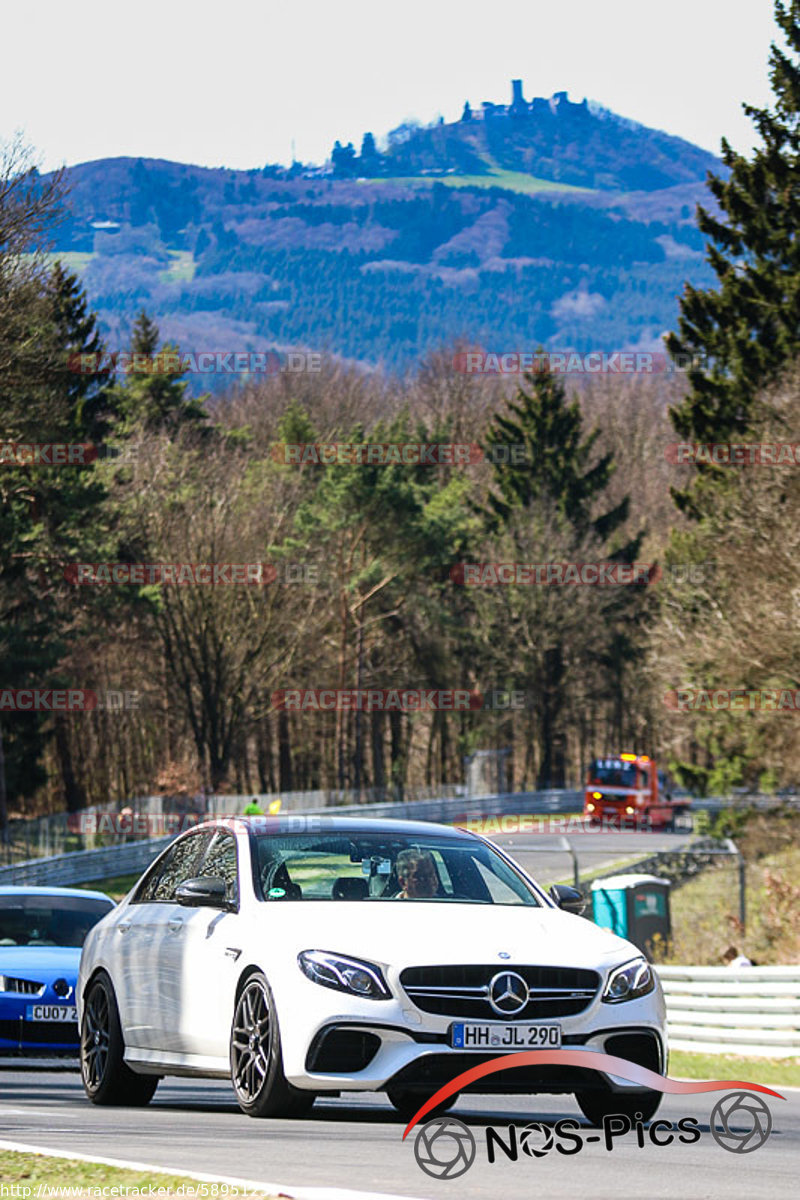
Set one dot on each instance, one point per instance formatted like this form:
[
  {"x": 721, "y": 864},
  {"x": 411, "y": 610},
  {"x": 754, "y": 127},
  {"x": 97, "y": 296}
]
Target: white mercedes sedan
[{"x": 306, "y": 956}]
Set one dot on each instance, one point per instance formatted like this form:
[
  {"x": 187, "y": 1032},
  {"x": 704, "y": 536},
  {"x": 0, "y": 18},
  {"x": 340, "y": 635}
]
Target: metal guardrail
[
  {"x": 725, "y": 1010},
  {"x": 86, "y": 866}
]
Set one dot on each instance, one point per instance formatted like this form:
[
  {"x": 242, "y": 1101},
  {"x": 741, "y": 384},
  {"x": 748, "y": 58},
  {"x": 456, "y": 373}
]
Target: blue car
[{"x": 42, "y": 931}]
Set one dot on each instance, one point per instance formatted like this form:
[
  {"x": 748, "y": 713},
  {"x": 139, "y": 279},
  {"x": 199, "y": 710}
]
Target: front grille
[
  {"x": 22, "y": 987},
  {"x": 463, "y": 991},
  {"x": 37, "y": 1033}
]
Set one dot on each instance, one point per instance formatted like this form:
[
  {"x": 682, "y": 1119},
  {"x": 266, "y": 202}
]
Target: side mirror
[
  {"x": 568, "y": 898},
  {"x": 206, "y": 892}
]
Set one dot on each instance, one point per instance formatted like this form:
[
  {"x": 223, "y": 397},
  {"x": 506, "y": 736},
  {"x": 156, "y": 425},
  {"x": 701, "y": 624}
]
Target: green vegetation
[
  {"x": 182, "y": 268},
  {"x": 37, "y": 1170},
  {"x": 705, "y": 911},
  {"x": 512, "y": 181},
  {"x": 366, "y": 561},
  {"x": 771, "y": 1072},
  {"x": 117, "y": 886}
]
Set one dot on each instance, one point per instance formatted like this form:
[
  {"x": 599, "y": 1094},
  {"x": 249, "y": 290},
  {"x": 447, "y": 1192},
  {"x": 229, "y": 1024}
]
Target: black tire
[
  {"x": 259, "y": 1083},
  {"x": 638, "y": 1106},
  {"x": 106, "y": 1078},
  {"x": 408, "y": 1104}
]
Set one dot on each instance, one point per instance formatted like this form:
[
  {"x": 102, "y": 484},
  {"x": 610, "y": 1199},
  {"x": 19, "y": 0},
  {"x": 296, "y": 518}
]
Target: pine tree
[
  {"x": 556, "y": 473},
  {"x": 82, "y": 380},
  {"x": 740, "y": 335},
  {"x": 153, "y": 394},
  {"x": 545, "y": 432}
]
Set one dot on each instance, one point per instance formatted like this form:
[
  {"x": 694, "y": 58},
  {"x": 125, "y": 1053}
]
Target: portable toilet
[{"x": 636, "y": 907}]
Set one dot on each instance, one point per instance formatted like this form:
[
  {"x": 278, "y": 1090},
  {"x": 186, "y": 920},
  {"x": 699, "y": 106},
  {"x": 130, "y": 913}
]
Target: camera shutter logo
[
  {"x": 508, "y": 993},
  {"x": 444, "y": 1148},
  {"x": 745, "y": 1109},
  {"x": 536, "y": 1139}
]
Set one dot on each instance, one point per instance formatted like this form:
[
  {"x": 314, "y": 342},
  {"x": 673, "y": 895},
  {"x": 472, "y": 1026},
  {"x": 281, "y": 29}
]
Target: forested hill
[{"x": 570, "y": 229}]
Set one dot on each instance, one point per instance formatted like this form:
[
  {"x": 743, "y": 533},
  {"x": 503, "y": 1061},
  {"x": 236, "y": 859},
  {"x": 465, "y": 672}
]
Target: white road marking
[{"x": 296, "y": 1193}]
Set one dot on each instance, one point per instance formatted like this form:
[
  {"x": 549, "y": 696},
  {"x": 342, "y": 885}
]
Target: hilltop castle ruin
[{"x": 559, "y": 104}]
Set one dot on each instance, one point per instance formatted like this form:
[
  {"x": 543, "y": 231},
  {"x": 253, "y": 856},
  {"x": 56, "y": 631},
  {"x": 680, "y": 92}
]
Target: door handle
[
  {"x": 124, "y": 927},
  {"x": 175, "y": 924}
]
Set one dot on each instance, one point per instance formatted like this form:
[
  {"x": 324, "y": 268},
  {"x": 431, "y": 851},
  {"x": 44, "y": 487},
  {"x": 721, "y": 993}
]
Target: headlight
[
  {"x": 349, "y": 975},
  {"x": 634, "y": 979}
]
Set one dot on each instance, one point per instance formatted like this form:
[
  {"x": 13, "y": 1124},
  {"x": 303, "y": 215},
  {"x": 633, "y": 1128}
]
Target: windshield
[
  {"x": 379, "y": 867},
  {"x": 49, "y": 920},
  {"x": 613, "y": 772}
]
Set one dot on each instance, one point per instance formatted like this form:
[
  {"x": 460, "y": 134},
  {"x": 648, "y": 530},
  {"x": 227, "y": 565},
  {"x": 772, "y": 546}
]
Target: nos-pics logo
[{"x": 446, "y": 1148}]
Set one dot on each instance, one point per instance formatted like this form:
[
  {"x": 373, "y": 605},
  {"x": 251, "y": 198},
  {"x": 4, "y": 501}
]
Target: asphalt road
[
  {"x": 542, "y": 858},
  {"x": 346, "y": 1143}
]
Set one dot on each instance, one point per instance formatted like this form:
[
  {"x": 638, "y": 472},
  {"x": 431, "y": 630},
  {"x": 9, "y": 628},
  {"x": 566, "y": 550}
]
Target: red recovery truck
[{"x": 628, "y": 792}]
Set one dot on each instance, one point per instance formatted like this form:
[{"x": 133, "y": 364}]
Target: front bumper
[
  {"x": 19, "y": 1034},
  {"x": 391, "y": 1043}
]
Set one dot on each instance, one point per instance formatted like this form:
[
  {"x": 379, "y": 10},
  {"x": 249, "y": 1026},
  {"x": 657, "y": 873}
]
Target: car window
[
  {"x": 221, "y": 860},
  {"x": 181, "y": 862},
  {"x": 382, "y": 867},
  {"x": 42, "y": 920}
]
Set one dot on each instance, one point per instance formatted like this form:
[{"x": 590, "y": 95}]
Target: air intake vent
[{"x": 22, "y": 987}]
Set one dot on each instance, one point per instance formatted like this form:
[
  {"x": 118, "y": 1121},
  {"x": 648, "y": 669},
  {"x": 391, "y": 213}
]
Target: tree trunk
[
  {"x": 396, "y": 753},
  {"x": 378, "y": 765},
  {"x": 284, "y": 753},
  {"x": 3, "y": 799},
  {"x": 74, "y": 795}
]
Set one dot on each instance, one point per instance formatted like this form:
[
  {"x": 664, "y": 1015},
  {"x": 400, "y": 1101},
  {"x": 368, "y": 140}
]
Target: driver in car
[{"x": 417, "y": 875}]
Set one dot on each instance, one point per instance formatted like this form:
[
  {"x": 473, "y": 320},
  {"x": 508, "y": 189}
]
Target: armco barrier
[
  {"x": 726, "y": 1010},
  {"x": 86, "y": 866}
]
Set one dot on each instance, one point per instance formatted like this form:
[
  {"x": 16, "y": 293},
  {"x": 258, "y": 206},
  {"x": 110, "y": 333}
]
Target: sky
[{"x": 239, "y": 83}]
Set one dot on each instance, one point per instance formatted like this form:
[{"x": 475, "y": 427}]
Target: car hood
[
  {"x": 405, "y": 932},
  {"x": 42, "y": 963}
]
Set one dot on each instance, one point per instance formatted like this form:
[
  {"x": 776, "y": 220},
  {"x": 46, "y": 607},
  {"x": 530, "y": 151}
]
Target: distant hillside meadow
[{"x": 534, "y": 224}]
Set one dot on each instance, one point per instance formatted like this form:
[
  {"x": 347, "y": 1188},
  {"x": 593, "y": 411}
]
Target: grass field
[
  {"x": 771, "y": 1072},
  {"x": 116, "y": 887},
  {"x": 512, "y": 181},
  {"x": 74, "y": 260},
  {"x": 181, "y": 269},
  {"x": 705, "y": 913},
  {"x": 29, "y": 1172}
]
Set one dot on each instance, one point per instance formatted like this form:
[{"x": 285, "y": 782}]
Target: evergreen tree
[
  {"x": 153, "y": 394},
  {"x": 545, "y": 432},
  {"x": 82, "y": 379},
  {"x": 741, "y": 334},
  {"x": 556, "y": 475}
]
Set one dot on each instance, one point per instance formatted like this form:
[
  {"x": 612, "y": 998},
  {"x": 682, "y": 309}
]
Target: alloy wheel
[
  {"x": 96, "y": 1037},
  {"x": 252, "y": 1033}
]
